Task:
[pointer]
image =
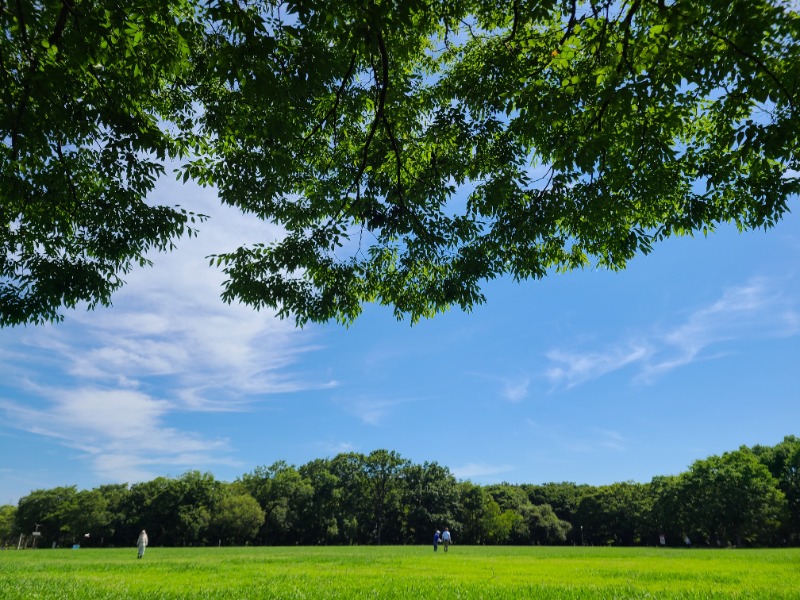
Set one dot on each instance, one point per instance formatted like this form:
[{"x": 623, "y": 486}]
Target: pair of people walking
[{"x": 442, "y": 537}]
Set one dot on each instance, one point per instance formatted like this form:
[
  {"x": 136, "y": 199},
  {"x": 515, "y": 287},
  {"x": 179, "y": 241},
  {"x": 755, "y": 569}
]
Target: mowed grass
[{"x": 399, "y": 572}]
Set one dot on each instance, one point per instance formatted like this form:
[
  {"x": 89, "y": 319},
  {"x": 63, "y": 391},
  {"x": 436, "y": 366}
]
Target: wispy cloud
[
  {"x": 573, "y": 368},
  {"x": 752, "y": 311},
  {"x": 334, "y": 448},
  {"x": 756, "y": 310},
  {"x": 169, "y": 344},
  {"x": 516, "y": 390},
  {"x": 586, "y": 440},
  {"x": 513, "y": 388},
  {"x": 479, "y": 470},
  {"x": 121, "y": 433},
  {"x": 369, "y": 410}
]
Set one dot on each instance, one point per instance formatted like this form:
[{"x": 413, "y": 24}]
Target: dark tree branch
[
  {"x": 334, "y": 108},
  {"x": 389, "y": 131},
  {"x": 356, "y": 182},
  {"x": 23, "y": 29},
  {"x": 382, "y": 89},
  {"x": 514, "y": 22},
  {"x": 26, "y": 90},
  {"x": 68, "y": 172},
  {"x": 67, "y": 7},
  {"x": 570, "y": 23},
  {"x": 626, "y": 38}
]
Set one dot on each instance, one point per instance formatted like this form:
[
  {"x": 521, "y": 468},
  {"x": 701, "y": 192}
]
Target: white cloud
[
  {"x": 516, "y": 390},
  {"x": 751, "y": 311},
  {"x": 585, "y": 441},
  {"x": 168, "y": 321},
  {"x": 120, "y": 432},
  {"x": 337, "y": 448},
  {"x": 611, "y": 440},
  {"x": 113, "y": 376},
  {"x": 480, "y": 470},
  {"x": 513, "y": 388},
  {"x": 371, "y": 411},
  {"x": 573, "y": 368}
]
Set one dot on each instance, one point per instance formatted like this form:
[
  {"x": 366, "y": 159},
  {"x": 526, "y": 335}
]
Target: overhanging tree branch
[
  {"x": 757, "y": 61},
  {"x": 67, "y": 7}
]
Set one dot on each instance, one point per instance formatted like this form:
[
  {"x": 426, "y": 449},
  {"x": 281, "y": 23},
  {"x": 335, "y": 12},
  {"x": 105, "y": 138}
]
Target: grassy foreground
[{"x": 399, "y": 572}]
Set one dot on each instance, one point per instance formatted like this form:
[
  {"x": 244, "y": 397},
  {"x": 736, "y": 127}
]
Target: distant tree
[
  {"x": 237, "y": 518},
  {"x": 564, "y": 498},
  {"x": 410, "y": 151},
  {"x": 319, "y": 524},
  {"x": 153, "y": 505},
  {"x": 470, "y": 510},
  {"x": 284, "y": 495},
  {"x": 175, "y": 512},
  {"x": 482, "y": 520},
  {"x": 783, "y": 462},
  {"x": 732, "y": 499},
  {"x": 117, "y": 530},
  {"x": 615, "y": 514},
  {"x": 499, "y": 524},
  {"x": 88, "y": 518},
  {"x": 544, "y": 526},
  {"x": 193, "y": 523},
  {"x": 354, "y": 515},
  {"x": 515, "y": 509},
  {"x": 384, "y": 471},
  {"x": 48, "y": 512},
  {"x": 737, "y": 498},
  {"x": 198, "y": 496},
  {"x": 508, "y": 497},
  {"x": 8, "y": 527},
  {"x": 430, "y": 501},
  {"x": 667, "y": 515}
]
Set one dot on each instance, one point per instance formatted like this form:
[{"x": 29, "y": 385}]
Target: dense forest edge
[{"x": 749, "y": 497}]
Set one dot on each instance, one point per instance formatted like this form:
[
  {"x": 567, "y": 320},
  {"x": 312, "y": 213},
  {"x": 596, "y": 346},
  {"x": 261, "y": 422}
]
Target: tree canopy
[
  {"x": 741, "y": 498},
  {"x": 409, "y": 150}
]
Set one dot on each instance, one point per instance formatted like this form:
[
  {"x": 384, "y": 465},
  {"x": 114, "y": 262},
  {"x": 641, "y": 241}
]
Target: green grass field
[{"x": 399, "y": 572}]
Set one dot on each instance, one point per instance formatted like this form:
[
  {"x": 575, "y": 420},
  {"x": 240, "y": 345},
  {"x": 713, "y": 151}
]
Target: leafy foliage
[
  {"x": 7, "y": 527},
  {"x": 732, "y": 499},
  {"x": 88, "y": 104},
  {"x": 382, "y": 498},
  {"x": 237, "y": 518},
  {"x": 409, "y": 150}
]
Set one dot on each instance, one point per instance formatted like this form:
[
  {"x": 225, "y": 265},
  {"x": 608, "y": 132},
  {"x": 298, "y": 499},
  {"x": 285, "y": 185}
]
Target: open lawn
[{"x": 399, "y": 572}]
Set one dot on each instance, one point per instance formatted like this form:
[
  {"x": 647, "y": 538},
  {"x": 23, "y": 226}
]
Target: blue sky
[{"x": 592, "y": 377}]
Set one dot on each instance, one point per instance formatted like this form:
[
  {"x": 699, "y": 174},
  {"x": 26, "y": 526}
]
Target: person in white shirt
[
  {"x": 446, "y": 538},
  {"x": 141, "y": 543}
]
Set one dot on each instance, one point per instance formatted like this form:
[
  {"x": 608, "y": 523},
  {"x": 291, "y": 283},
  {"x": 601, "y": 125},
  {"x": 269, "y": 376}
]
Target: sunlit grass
[{"x": 400, "y": 572}]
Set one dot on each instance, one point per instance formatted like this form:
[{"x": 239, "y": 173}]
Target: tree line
[{"x": 747, "y": 497}]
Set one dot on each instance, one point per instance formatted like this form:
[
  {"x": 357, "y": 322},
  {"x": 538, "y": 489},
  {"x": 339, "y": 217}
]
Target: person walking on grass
[
  {"x": 436, "y": 540},
  {"x": 446, "y": 539},
  {"x": 141, "y": 543}
]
